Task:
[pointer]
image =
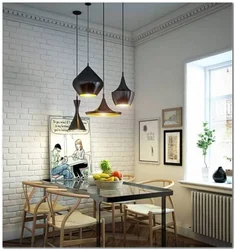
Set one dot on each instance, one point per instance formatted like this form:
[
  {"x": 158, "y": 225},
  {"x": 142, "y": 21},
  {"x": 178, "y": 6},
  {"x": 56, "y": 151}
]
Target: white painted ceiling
[{"x": 137, "y": 15}]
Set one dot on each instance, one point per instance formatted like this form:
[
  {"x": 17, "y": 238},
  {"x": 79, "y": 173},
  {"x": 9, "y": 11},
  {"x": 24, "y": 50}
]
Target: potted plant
[{"x": 206, "y": 139}]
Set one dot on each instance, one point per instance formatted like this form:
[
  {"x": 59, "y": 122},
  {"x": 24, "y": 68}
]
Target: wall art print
[
  {"x": 69, "y": 151},
  {"x": 172, "y": 117},
  {"x": 173, "y": 147},
  {"x": 149, "y": 141}
]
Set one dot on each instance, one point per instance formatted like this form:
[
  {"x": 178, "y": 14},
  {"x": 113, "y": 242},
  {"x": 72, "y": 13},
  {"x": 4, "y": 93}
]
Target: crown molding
[
  {"x": 158, "y": 28},
  {"x": 176, "y": 22},
  {"x": 64, "y": 26}
]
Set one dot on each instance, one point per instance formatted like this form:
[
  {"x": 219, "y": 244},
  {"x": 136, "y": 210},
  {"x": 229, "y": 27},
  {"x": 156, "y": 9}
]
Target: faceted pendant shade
[
  {"x": 123, "y": 96},
  {"x": 103, "y": 110},
  {"x": 77, "y": 123},
  {"x": 88, "y": 83}
]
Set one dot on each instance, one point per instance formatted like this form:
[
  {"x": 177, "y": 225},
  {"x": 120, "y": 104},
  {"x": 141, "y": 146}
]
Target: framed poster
[
  {"x": 69, "y": 151},
  {"x": 149, "y": 141},
  {"x": 173, "y": 147},
  {"x": 172, "y": 117}
]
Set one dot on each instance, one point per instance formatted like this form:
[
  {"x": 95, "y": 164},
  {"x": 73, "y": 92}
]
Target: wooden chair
[
  {"x": 36, "y": 207},
  {"x": 70, "y": 222},
  {"x": 113, "y": 207},
  {"x": 145, "y": 214}
]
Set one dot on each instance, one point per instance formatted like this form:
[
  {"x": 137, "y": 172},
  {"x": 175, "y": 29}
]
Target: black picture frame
[{"x": 173, "y": 147}]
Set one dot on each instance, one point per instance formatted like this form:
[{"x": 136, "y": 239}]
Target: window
[{"x": 208, "y": 97}]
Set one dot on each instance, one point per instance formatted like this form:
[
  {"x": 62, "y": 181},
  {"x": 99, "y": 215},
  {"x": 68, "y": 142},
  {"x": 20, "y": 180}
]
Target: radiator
[{"x": 212, "y": 215}]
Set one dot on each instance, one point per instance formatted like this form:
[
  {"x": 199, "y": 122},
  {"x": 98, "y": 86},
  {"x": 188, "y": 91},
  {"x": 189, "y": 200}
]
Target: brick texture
[{"x": 38, "y": 70}]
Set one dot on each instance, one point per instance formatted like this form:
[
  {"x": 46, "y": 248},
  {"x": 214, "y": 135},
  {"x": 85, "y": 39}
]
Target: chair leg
[
  {"x": 103, "y": 231},
  {"x": 46, "y": 236},
  {"x": 121, "y": 212},
  {"x": 80, "y": 235},
  {"x": 22, "y": 230},
  {"x": 94, "y": 209},
  {"x": 61, "y": 237},
  {"x": 113, "y": 219},
  {"x": 33, "y": 229},
  {"x": 124, "y": 226},
  {"x": 175, "y": 229},
  {"x": 151, "y": 229}
]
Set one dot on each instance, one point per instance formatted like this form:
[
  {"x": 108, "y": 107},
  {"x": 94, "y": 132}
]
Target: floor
[{"x": 132, "y": 240}]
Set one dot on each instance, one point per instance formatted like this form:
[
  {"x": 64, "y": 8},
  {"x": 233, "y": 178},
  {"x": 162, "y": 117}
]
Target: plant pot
[
  {"x": 219, "y": 175},
  {"x": 205, "y": 174}
]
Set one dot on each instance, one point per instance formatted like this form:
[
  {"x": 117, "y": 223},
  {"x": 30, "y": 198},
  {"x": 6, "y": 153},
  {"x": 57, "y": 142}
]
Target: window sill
[{"x": 223, "y": 188}]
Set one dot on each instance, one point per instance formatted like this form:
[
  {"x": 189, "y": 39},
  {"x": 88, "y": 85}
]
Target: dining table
[{"x": 129, "y": 191}]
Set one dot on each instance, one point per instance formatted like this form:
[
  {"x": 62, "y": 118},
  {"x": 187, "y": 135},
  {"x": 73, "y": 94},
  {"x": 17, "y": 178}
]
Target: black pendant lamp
[
  {"x": 123, "y": 96},
  {"x": 88, "y": 83},
  {"x": 103, "y": 110},
  {"x": 77, "y": 123}
]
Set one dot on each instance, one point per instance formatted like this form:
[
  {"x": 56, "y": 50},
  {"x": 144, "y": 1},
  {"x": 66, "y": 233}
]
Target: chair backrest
[
  {"x": 128, "y": 177},
  {"x": 60, "y": 193},
  {"x": 164, "y": 183},
  {"x": 30, "y": 188}
]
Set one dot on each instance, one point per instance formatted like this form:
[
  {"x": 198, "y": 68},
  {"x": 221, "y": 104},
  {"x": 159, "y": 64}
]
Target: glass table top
[{"x": 128, "y": 191}]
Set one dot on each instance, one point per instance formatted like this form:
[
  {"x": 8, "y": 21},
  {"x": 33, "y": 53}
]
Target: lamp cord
[
  {"x": 122, "y": 39},
  {"x": 76, "y": 50},
  {"x": 103, "y": 49},
  {"x": 88, "y": 35}
]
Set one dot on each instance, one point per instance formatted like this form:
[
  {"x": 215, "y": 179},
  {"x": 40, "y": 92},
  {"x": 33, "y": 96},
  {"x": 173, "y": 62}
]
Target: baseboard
[{"x": 187, "y": 232}]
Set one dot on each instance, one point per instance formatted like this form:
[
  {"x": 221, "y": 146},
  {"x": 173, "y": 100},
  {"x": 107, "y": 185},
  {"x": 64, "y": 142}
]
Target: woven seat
[
  {"x": 71, "y": 221},
  {"x": 36, "y": 210},
  {"x": 145, "y": 214}
]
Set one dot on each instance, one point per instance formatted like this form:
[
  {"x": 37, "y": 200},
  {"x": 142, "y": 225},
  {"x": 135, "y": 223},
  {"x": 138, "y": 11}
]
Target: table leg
[
  {"x": 98, "y": 231},
  {"x": 163, "y": 221}
]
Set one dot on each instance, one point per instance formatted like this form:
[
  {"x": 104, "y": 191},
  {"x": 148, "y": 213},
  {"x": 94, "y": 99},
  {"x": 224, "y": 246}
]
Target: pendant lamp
[
  {"x": 123, "y": 96},
  {"x": 103, "y": 110},
  {"x": 88, "y": 83},
  {"x": 77, "y": 123}
]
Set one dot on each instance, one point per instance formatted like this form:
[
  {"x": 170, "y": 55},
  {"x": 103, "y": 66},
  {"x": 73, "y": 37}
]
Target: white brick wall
[{"x": 38, "y": 70}]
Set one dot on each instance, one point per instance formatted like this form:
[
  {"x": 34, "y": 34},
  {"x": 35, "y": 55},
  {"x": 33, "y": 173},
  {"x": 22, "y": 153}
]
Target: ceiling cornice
[
  {"x": 159, "y": 28},
  {"x": 45, "y": 22},
  {"x": 177, "y": 22}
]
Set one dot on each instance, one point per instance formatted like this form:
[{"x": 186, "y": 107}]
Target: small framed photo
[
  {"x": 172, "y": 117},
  {"x": 173, "y": 147},
  {"x": 149, "y": 141}
]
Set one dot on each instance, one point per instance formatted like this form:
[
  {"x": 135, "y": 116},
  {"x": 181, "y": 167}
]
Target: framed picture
[
  {"x": 172, "y": 117},
  {"x": 69, "y": 151},
  {"x": 173, "y": 147},
  {"x": 149, "y": 141}
]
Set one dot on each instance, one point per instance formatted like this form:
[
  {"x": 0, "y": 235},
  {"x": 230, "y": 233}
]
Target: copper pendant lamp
[
  {"x": 88, "y": 83},
  {"x": 123, "y": 96},
  {"x": 103, "y": 110},
  {"x": 77, "y": 123}
]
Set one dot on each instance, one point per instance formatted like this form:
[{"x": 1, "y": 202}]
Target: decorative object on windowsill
[
  {"x": 206, "y": 139},
  {"x": 123, "y": 96},
  {"x": 229, "y": 174},
  {"x": 77, "y": 123},
  {"x": 103, "y": 110},
  {"x": 88, "y": 83},
  {"x": 219, "y": 175}
]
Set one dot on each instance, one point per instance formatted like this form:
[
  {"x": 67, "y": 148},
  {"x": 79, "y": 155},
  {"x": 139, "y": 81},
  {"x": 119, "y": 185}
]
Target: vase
[
  {"x": 219, "y": 175},
  {"x": 205, "y": 174}
]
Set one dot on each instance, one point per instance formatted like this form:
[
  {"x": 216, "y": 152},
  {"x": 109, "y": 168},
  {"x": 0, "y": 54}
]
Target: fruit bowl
[{"x": 110, "y": 185}]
